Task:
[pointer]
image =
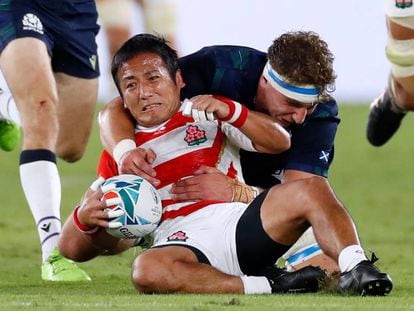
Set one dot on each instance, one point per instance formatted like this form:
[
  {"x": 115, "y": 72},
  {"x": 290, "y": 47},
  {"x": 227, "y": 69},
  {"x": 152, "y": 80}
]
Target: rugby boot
[
  {"x": 9, "y": 132},
  {"x": 365, "y": 279},
  {"x": 60, "y": 269},
  {"x": 382, "y": 121},
  {"x": 305, "y": 280}
]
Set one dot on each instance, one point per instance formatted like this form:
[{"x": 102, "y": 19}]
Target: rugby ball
[{"x": 140, "y": 202}]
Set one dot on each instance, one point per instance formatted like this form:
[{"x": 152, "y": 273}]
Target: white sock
[
  {"x": 256, "y": 285},
  {"x": 350, "y": 256},
  {"x": 41, "y": 185},
  {"x": 8, "y": 108}
]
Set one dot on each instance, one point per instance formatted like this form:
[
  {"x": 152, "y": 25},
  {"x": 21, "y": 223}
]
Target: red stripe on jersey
[
  {"x": 186, "y": 210},
  {"x": 185, "y": 165},
  {"x": 176, "y": 121},
  {"x": 231, "y": 171}
]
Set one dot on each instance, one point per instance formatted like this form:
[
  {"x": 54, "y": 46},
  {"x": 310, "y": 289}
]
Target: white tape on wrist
[{"x": 123, "y": 147}]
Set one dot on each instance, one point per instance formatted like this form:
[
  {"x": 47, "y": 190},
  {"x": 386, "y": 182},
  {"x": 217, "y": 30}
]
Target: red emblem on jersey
[
  {"x": 195, "y": 136},
  {"x": 402, "y": 4},
  {"x": 178, "y": 236}
]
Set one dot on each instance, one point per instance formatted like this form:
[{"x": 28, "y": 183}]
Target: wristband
[
  {"x": 237, "y": 115},
  {"x": 82, "y": 228},
  {"x": 123, "y": 147}
]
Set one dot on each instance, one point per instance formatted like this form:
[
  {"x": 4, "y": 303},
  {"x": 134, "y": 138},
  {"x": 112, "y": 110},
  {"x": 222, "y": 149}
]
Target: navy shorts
[
  {"x": 67, "y": 27},
  {"x": 255, "y": 249}
]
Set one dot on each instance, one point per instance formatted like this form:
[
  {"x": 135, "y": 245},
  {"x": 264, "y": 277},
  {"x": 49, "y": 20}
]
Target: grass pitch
[{"x": 376, "y": 185}]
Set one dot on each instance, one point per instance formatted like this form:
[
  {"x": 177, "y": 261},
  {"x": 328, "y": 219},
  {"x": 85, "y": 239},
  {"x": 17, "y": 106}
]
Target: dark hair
[
  {"x": 304, "y": 58},
  {"x": 144, "y": 43}
]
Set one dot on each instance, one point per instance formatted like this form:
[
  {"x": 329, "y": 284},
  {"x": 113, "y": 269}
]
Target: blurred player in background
[
  {"x": 387, "y": 111},
  {"x": 49, "y": 60},
  {"x": 116, "y": 17}
]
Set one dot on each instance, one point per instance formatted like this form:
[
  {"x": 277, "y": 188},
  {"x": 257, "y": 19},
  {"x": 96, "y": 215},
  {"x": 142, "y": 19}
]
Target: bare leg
[
  {"x": 403, "y": 86},
  {"x": 290, "y": 208},
  {"x": 77, "y": 102},
  {"x": 175, "y": 269}
]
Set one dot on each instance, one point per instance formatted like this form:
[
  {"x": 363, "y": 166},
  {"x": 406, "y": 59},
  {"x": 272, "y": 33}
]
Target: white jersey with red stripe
[{"x": 182, "y": 145}]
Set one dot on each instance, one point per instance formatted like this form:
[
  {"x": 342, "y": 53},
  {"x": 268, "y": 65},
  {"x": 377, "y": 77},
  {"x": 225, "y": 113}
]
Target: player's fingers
[
  {"x": 210, "y": 116},
  {"x": 114, "y": 225},
  {"x": 201, "y": 115},
  {"x": 184, "y": 188},
  {"x": 186, "y": 181},
  {"x": 150, "y": 157},
  {"x": 115, "y": 214},
  {"x": 187, "y": 107},
  {"x": 113, "y": 201},
  {"x": 95, "y": 185},
  {"x": 186, "y": 196},
  {"x": 108, "y": 187}
]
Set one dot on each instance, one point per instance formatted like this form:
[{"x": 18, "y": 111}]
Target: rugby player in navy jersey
[
  {"x": 49, "y": 60},
  {"x": 291, "y": 83}
]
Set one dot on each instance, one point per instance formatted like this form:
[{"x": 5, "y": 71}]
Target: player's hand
[
  {"x": 138, "y": 162},
  {"x": 206, "y": 107},
  {"x": 208, "y": 183},
  {"x": 92, "y": 212}
]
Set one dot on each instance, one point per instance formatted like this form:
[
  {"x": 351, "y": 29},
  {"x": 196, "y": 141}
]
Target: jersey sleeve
[
  {"x": 312, "y": 148},
  {"x": 237, "y": 138},
  {"x": 107, "y": 166}
]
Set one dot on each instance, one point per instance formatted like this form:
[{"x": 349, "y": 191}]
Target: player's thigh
[
  {"x": 287, "y": 207},
  {"x": 77, "y": 103},
  {"x": 25, "y": 63}
]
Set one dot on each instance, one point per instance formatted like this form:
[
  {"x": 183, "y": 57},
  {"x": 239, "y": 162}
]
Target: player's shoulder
[
  {"x": 226, "y": 54},
  {"x": 328, "y": 109}
]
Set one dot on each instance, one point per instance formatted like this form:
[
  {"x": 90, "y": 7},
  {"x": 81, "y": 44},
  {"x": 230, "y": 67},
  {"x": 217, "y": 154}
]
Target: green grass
[{"x": 374, "y": 183}]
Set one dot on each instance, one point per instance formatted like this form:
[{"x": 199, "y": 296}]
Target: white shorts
[{"x": 215, "y": 238}]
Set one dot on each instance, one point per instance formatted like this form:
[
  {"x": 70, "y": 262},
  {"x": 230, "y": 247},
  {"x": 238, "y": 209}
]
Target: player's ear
[{"x": 179, "y": 81}]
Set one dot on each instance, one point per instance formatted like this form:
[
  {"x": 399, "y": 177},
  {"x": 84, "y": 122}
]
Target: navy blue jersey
[
  {"x": 234, "y": 71},
  {"x": 67, "y": 27}
]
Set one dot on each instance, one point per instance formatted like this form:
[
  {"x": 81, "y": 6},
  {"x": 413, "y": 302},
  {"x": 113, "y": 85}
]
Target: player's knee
[
  {"x": 145, "y": 278},
  {"x": 315, "y": 183},
  {"x": 70, "y": 152}
]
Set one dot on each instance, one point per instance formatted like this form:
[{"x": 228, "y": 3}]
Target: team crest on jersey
[
  {"x": 178, "y": 236},
  {"x": 194, "y": 135},
  {"x": 403, "y": 4},
  {"x": 32, "y": 22}
]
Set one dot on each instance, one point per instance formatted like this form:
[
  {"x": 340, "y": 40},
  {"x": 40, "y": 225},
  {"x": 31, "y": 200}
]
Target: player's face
[
  {"x": 282, "y": 109},
  {"x": 149, "y": 93}
]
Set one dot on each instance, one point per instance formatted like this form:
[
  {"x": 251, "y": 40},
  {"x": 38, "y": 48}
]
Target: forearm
[
  {"x": 80, "y": 246},
  {"x": 115, "y": 124},
  {"x": 266, "y": 135}
]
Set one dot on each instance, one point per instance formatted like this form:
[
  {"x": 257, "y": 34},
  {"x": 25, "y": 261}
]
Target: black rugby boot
[
  {"x": 305, "y": 280},
  {"x": 365, "y": 279},
  {"x": 382, "y": 121}
]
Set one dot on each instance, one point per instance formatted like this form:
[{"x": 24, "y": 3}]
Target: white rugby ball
[{"x": 140, "y": 202}]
